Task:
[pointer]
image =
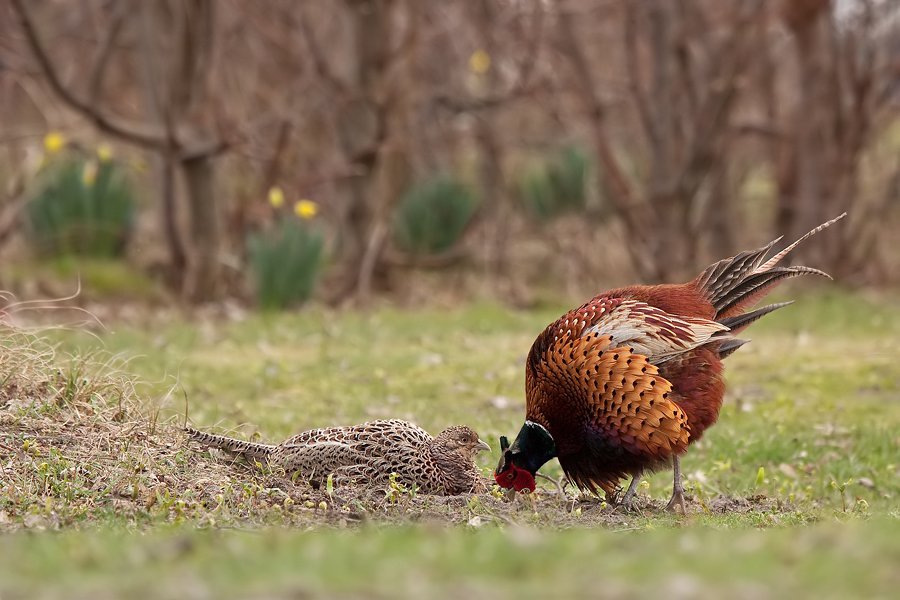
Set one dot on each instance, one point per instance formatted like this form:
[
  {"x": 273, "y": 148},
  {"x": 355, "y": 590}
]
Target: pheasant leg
[
  {"x": 629, "y": 495},
  {"x": 677, "y": 488}
]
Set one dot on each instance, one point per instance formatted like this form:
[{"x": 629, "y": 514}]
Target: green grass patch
[
  {"x": 850, "y": 561},
  {"x": 814, "y": 399},
  {"x": 95, "y": 279},
  {"x": 794, "y": 493}
]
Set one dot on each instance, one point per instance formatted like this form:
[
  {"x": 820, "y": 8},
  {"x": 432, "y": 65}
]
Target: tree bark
[
  {"x": 362, "y": 129},
  {"x": 202, "y": 272},
  {"x": 820, "y": 158},
  {"x": 813, "y": 144}
]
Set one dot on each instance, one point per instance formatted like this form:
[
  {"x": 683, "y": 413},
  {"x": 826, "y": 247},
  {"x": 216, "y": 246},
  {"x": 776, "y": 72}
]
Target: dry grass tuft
[{"x": 79, "y": 447}]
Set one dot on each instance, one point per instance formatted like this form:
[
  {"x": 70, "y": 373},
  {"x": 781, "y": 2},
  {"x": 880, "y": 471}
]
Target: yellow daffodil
[
  {"x": 276, "y": 197},
  {"x": 306, "y": 209},
  {"x": 479, "y": 62},
  {"x": 104, "y": 152},
  {"x": 54, "y": 142},
  {"x": 89, "y": 173}
]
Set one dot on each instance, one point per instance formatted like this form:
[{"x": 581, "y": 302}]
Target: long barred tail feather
[
  {"x": 728, "y": 346},
  {"x": 247, "y": 449},
  {"x": 756, "y": 287},
  {"x": 734, "y": 284},
  {"x": 739, "y": 322},
  {"x": 720, "y": 278},
  {"x": 774, "y": 260}
]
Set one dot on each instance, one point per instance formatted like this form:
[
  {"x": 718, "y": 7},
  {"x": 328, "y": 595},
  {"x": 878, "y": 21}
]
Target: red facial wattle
[{"x": 517, "y": 478}]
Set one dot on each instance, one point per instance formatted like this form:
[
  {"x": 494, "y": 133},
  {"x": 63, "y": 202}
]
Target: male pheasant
[
  {"x": 367, "y": 454},
  {"x": 629, "y": 380}
]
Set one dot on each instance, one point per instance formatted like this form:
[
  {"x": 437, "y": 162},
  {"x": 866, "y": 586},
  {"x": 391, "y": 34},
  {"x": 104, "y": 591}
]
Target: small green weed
[
  {"x": 286, "y": 263},
  {"x": 83, "y": 207},
  {"x": 432, "y": 216},
  {"x": 558, "y": 187}
]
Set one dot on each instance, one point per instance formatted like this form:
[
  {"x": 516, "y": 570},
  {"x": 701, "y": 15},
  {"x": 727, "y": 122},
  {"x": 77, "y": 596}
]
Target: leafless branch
[
  {"x": 766, "y": 130},
  {"x": 628, "y": 202},
  {"x": 104, "y": 51},
  {"x": 152, "y": 137},
  {"x": 12, "y": 212},
  {"x": 467, "y": 105},
  {"x": 320, "y": 63},
  {"x": 204, "y": 149},
  {"x": 130, "y": 133},
  {"x": 271, "y": 174},
  {"x": 684, "y": 60},
  {"x": 634, "y": 73},
  {"x": 632, "y": 206},
  {"x": 374, "y": 247},
  {"x": 711, "y": 116}
]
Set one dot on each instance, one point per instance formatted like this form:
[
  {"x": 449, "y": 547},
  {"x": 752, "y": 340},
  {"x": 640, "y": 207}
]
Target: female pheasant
[
  {"x": 629, "y": 380},
  {"x": 367, "y": 454}
]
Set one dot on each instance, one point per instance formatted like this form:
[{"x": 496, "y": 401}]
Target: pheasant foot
[{"x": 677, "y": 489}]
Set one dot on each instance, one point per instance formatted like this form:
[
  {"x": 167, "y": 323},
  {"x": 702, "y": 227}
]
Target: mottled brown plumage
[
  {"x": 367, "y": 454},
  {"x": 629, "y": 380}
]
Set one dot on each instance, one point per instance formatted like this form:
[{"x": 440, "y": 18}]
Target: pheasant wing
[{"x": 648, "y": 330}]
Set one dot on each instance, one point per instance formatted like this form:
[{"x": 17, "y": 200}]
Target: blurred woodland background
[{"x": 272, "y": 151}]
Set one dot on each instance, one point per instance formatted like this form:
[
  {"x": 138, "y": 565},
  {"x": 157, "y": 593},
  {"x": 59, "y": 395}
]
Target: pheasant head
[
  {"x": 454, "y": 451},
  {"x": 532, "y": 448}
]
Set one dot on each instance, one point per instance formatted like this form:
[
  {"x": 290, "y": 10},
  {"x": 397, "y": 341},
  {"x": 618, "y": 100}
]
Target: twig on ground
[{"x": 560, "y": 490}]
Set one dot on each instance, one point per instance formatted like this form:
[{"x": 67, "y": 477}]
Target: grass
[
  {"x": 802, "y": 404},
  {"x": 814, "y": 402},
  {"x": 93, "y": 279},
  {"x": 849, "y": 561}
]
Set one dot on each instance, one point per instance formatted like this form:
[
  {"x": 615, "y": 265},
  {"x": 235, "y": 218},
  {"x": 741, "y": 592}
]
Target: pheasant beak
[{"x": 482, "y": 445}]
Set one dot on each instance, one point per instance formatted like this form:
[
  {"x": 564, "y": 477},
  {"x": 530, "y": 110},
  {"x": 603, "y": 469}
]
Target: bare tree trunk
[
  {"x": 163, "y": 160},
  {"x": 391, "y": 179},
  {"x": 813, "y": 144},
  {"x": 720, "y": 219},
  {"x": 670, "y": 250},
  {"x": 362, "y": 127},
  {"x": 203, "y": 263},
  {"x": 189, "y": 67},
  {"x": 820, "y": 170},
  {"x": 177, "y": 256},
  {"x": 638, "y": 214},
  {"x": 494, "y": 197},
  {"x": 490, "y": 174}
]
